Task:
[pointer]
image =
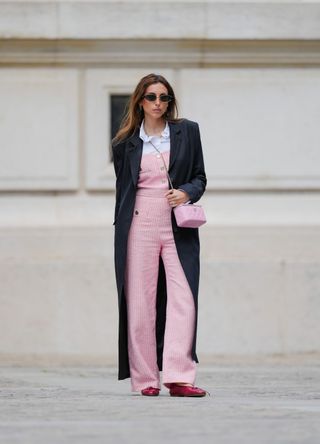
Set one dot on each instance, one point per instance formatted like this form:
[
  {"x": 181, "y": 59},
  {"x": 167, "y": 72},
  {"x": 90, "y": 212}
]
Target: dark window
[{"x": 118, "y": 105}]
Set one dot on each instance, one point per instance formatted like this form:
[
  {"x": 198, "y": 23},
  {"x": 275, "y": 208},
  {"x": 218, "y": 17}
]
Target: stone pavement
[{"x": 251, "y": 402}]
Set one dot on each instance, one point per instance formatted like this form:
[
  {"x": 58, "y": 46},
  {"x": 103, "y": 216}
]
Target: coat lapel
[
  {"x": 175, "y": 142},
  {"x": 134, "y": 151}
]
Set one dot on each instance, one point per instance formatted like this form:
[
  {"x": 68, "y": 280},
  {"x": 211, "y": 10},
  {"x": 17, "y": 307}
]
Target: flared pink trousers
[{"x": 150, "y": 236}]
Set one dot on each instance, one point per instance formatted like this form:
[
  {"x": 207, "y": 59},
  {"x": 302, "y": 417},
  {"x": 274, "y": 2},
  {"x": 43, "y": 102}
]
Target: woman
[{"x": 157, "y": 262}]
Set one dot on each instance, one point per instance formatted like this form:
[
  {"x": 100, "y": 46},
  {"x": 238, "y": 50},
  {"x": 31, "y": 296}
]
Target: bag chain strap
[
  {"x": 164, "y": 163},
  {"x": 165, "y": 166}
]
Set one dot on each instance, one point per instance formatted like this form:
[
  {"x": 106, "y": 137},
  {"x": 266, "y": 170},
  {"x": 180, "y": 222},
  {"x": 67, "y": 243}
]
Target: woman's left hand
[{"x": 176, "y": 197}]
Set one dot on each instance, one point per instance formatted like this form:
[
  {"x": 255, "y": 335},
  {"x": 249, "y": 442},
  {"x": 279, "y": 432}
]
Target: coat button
[{"x": 136, "y": 212}]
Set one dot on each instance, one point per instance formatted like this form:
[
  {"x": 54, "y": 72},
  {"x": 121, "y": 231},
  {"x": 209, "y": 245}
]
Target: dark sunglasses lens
[
  {"x": 165, "y": 98},
  {"x": 150, "y": 97}
]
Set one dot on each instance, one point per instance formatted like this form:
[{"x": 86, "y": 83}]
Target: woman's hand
[{"x": 176, "y": 197}]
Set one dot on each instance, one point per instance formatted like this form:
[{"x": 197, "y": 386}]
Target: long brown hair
[{"x": 134, "y": 114}]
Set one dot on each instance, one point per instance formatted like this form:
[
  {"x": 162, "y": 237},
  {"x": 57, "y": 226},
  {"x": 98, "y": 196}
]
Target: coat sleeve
[
  {"x": 197, "y": 185},
  {"x": 118, "y": 167}
]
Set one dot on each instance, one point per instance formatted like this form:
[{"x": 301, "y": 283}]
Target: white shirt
[{"x": 161, "y": 142}]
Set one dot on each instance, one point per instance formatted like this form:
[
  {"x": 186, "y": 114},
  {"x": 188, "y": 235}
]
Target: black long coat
[{"x": 186, "y": 170}]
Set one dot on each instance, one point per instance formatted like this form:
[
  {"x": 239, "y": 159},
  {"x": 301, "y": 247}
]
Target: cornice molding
[{"x": 165, "y": 53}]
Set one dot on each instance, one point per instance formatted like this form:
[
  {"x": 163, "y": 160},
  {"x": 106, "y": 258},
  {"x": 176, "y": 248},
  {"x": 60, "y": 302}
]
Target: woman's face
[{"x": 155, "y": 109}]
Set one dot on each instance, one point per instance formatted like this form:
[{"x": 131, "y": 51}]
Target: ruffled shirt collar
[{"x": 165, "y": 133}]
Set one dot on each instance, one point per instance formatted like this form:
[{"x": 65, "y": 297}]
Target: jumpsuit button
[
  {"x": 136, "y": 212},
  {"x": 158, "y": 156}
]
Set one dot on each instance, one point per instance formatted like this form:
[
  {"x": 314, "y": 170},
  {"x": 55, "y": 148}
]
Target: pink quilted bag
[{"x": 189, "y": 215}]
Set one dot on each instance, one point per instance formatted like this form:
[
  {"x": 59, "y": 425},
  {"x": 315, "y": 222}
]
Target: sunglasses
[{"x": 152, "y": 97}]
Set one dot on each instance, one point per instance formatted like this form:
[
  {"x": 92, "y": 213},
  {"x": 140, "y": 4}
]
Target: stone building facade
[{"x": 249, "y": 73}]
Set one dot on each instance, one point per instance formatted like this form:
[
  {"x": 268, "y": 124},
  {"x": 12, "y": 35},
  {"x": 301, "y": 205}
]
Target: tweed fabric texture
[{"x": 150, "y": 236}]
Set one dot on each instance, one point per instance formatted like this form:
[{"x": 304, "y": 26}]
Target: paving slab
[{"x": 249, "y": 403}]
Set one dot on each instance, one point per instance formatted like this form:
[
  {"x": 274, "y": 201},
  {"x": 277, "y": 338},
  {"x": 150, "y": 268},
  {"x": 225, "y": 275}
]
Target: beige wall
[{"x": 251, "y": 77}]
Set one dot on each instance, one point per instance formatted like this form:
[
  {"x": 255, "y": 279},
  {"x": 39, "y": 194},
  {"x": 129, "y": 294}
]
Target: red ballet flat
[
  {"x": 150, "y": 391},
  {"x": 186, "y": 390}
]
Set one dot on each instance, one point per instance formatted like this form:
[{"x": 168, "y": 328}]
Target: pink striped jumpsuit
[{"x": 151, "y": 235}]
